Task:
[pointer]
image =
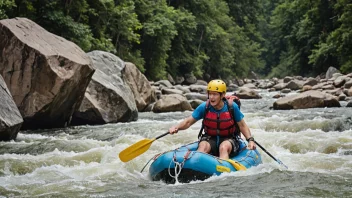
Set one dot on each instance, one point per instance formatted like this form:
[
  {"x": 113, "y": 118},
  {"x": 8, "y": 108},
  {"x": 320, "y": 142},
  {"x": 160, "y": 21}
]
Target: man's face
[{"x": 214, "y": 98}]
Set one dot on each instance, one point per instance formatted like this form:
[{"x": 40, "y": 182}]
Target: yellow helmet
[{"x": 217, "y": 85}]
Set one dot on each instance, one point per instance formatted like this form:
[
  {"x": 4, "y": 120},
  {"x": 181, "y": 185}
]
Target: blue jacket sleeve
[
  {"x": 238, "y": 115},
  {"x": 199, "y": 112}
]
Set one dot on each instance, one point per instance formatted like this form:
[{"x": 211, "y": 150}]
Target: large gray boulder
[
  {"x": 172, "y": 102},
  {"x": 166, "y": 91},
  {"x": 266, "y": 84},
  {"x": 198, "y": 96},
  {"x": 288, "y": 79},
  {"x": 164, "y": 83},
  {"x": 46, "y": 74},
  {"x": 184, "y": 89},
  {"x": 280, "y": 86},
  {"x": 349, "y": 92},
  {"x": 330, "y": 72},
  {"x": 247, "y": 93},
  {"x": 170, "y": 79},
  {"x": 179, "y": 79},
  {"x": 310, "y": 81},
  {"x": 340, "y": 81},
  {"x": 195, "y": 103},
  {"x": 198, "y": 88},
  {"x": 108, "y": 99},
  {"x": 349, "y": 104},
  {"x": 143, "y": 92},
  {"x": 10, "y": 117},
  {"x": 348, "y": 84},
  {"x": 308, "y": 99},
  {"x": 232, "y": 87},
  {"x": 190, "y": 79},
  {"x": 250, "y": 86},
  {"x": 294, "y": 84}
]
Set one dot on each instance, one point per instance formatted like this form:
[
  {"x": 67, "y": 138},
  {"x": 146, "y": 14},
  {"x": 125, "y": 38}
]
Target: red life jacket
[{"x": 221, "y": 124}]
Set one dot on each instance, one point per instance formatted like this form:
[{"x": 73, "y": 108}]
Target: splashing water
[{"x": 315, "y": 144}]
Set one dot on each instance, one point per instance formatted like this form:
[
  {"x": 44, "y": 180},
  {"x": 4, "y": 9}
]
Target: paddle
[
  {"x": 137, "y": 148},
  {"x": 236, "y": 165},
  {"x": 277, "y": 160}
]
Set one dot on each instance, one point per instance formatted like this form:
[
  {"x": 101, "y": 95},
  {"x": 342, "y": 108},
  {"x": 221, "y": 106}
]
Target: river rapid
[{"x": 315, "y": 144}]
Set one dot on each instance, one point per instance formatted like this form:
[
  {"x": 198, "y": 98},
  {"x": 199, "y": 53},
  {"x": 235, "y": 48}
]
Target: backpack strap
[
  {"x": 234, "y": 98},
  {"x": 229, "y": 100},
  {"x": 207, "y": 107},
  {"x": 230, "y": 109}
]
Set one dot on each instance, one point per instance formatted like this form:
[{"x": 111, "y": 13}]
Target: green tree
[
  {"x": 271, "y": 48},
  {"x": 220, "y": 47},
  {"x": 54, "y": 16},
  {"x": 299, "y": 26},
  {"x": 249, "y": 16},
  {"x": 6, "y": 5},
  {"x": 93, "y": 25},
  {"x": 214, "y": 36},
  {"x": 158, "y": 31},
  {"x": 183, "y": 56},
  {"x": 116, "y": 29},
  {"x": 338, "y": 44}
]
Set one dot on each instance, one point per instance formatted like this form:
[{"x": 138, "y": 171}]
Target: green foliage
[
  {"x": 115, "y": 25},
  {"x": 66, "y": 27},
  {"x": 311, "y": 36},
  {"x": 338, "y": 44},
  {"x": 217, "y": 38},
  {"x": 284, "y": 24},
  {"x": 270, "y": 45},
  {"x": 248, "y": 14},
  {"x": 5, "y": 6},
  {"x": 213, "y": 36},
  {"x": 157, "y": 34},
  {"x": 220, "y": 48},
  {"x": 54, "y": 16},
  {"x": 184, "y": 56}
]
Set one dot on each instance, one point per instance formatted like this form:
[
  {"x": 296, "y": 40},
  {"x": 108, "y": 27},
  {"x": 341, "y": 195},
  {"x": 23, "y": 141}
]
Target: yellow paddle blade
[
  {"x": 236, "y": 165},
  {"x": 135, "y": 150}
]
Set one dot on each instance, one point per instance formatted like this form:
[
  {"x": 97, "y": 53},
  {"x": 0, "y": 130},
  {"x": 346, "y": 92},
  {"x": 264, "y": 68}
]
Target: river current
[{"x": 315, "y": 144}]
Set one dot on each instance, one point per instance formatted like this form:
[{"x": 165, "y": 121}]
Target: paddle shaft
[
  {"x": 277, "y": 160},
  {"x": 160, "y": 136},
  {"x": 137, "y": 148}
]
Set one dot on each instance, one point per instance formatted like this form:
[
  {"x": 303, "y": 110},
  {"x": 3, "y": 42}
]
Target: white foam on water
[{"x": 88, "y": 158}]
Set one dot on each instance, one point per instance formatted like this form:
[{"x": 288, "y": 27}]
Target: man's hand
[
  {"x": 251, "y": 145},
  {"x": 185, "y": 124},
  {"x": 173, "y": 130}
]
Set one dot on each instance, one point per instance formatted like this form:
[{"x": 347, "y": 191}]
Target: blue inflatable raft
[{"x": 185, "y": 164}]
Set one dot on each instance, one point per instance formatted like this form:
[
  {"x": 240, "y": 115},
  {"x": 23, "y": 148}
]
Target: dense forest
[{"x": 206, "y": 38}]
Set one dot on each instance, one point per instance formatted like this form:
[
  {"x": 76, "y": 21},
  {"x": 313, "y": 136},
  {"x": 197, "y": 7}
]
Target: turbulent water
[{"x": 315, "y": 144}]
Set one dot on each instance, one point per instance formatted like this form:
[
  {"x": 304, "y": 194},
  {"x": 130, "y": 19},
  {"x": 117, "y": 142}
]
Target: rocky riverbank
[
  {"x": 49, "y": 82},
  {"x": 294, "y": 92}
]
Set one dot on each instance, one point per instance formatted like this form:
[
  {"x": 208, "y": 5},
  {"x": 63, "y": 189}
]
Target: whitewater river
[{"x": 315, "y": 144}]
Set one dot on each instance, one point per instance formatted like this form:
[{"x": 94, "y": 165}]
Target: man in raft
[{"x": 222, "y": 123}]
